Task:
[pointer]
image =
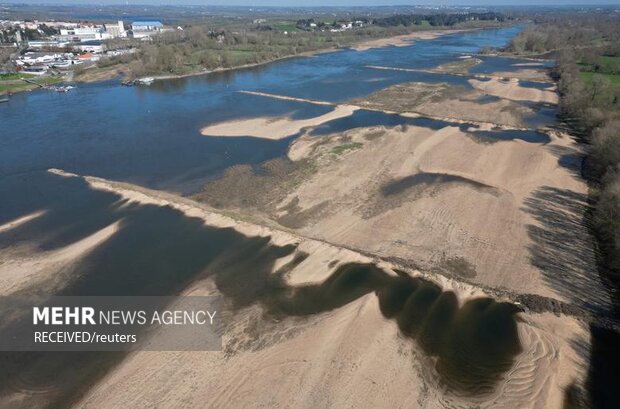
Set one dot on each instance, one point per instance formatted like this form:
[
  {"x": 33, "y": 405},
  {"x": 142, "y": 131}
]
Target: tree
[{"x": 598, "y": 86}]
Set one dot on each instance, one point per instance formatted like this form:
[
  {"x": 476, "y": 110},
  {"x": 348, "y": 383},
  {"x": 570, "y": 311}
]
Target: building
[
  {"x": 88, "y": 57},
  {"x": 79, "y": 34},
  {"x": 145, "y": 29},
  {"x": 39, "y": 70},
  {"x": 93, "y": 47},
  {"x": 47, "y": 44},
  {"x": 146, "y": 26},
  {"x": 116, "y": 30}
]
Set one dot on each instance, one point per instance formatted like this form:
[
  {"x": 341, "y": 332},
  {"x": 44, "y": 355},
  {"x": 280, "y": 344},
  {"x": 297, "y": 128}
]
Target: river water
[{"x": 150, "y": 135}]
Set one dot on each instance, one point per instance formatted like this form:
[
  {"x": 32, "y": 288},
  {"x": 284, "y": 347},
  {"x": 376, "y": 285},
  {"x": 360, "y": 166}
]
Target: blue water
[
  {"x": 492, "y": 64},
  {"x": 150, "y": 135}
]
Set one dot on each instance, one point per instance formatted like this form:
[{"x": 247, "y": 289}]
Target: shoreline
[
  {"x": 360, "y": 46},
  {"x": 363, "y": 45}
]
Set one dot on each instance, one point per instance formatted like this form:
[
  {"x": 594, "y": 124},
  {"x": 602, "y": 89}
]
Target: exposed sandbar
[
  {"x": 273, "y": 127},
  {"x": 512, "y": 90},
  {"x": 402, "y": 40}
]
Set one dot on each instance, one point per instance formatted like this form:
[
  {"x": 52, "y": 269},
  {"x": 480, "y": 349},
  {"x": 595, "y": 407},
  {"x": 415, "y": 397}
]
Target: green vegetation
[
  {"x": 603, "y": 64},
  {"x": 15, "y": 83},
  {"x": 345, "y": 147},
  {"x": 588, "y": 65},
  {"x": 197, "y": 48},
  {"x": 604, "y": 68},
  {"x": 202, "y": 47},
  {"x": 460, "y": 66},
  {"x": 285, "y": 26},
  {"x": 440, "y": 19},
  {"x": 15, "y": 76},
  {"x": 5, "y": 55},
  {"x": 588, "y": 77}
]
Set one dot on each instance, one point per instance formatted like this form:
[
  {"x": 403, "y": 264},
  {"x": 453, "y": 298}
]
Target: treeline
[
  {"x": 586, "y": 48},
  {"x": 197, "y": 47},
  {"x": 442, "y": 19},
  {"x": 5, "y": 55},
  {"x": 202, "y": 48},
  {"x": 583, "y": 33},
  {"x": 590, "y": 105}
]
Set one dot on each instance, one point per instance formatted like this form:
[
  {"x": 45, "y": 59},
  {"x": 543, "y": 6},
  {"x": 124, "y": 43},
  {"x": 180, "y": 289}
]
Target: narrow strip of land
[
  {"x": 477, "y": 76},
  {"x": 408, "y": 114}
]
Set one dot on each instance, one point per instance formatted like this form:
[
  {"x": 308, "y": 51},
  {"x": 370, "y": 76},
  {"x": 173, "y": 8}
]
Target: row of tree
[
  {"x": 200, "y": 47},
  {"x": 590, "y": 105},
  {"x": 442, "y": 19}
]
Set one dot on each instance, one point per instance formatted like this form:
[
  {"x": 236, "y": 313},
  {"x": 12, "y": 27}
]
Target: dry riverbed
[{"x": 350, "y": 339}]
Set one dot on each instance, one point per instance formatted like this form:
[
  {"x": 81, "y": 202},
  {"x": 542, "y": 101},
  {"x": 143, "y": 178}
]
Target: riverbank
[
  {"x": 395, "y": 40},
  {"x": 96, "y": 74},
  {"x": 14, "y": 83}
]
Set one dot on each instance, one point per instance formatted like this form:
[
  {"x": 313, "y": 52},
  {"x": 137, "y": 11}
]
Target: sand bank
[
  {"x": 273, "y": 127},
  {"x": 348, "y": 355},
  {"x": 25, "y": 266},
  {"x": 448, "y": 103},
  {"x": 438, "y": 219},
  {"x": 20, "y": 221},
  {"x": 512, "y": 90},
  {"x": 403, "y": 40}
]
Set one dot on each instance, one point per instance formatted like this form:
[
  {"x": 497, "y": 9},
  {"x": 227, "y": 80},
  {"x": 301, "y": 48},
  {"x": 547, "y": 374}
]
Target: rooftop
[{"x": 147, "y": 23}]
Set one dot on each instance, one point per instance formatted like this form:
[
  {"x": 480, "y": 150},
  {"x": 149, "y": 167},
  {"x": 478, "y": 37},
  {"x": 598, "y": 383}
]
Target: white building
[
  {"x": 116, "y": 30},
  {"x": 79, "y": 34},
  {"x": 145, "y": 29},
  {"x": 146, "y": 26},
  {"x": 95, "y": 47}
]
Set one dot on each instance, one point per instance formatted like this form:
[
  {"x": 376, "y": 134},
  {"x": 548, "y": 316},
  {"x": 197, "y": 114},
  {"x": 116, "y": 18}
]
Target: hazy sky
[{"x": 325, "y": 2}]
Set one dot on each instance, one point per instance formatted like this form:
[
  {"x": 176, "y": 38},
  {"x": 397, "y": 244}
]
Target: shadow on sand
[
  {"x": 563, "y": 249},
  {"x": 159, "y": 251}
]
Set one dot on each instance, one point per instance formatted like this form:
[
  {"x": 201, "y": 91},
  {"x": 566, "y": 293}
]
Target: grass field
[
  {"x": 587, "y": 76},
  {"x": 606, "y": 66},
  {"x": 14, "y": 83},
  {"x": 285, "y": 26}
]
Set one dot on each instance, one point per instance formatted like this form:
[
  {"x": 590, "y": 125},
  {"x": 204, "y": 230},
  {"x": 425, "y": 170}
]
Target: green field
[
  {"x": 606, "y": 65},
  {"x": 587, "y": 76},
  {"x": 285, "y": 26},
  {"x": 14, "y": 83}
]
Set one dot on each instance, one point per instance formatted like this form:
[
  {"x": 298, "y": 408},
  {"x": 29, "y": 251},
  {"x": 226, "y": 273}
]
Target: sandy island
[
  {"x": 512, "y": 90},
  {"x": 403, "y": 40},
  {"x": 273, "y": 127}
]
